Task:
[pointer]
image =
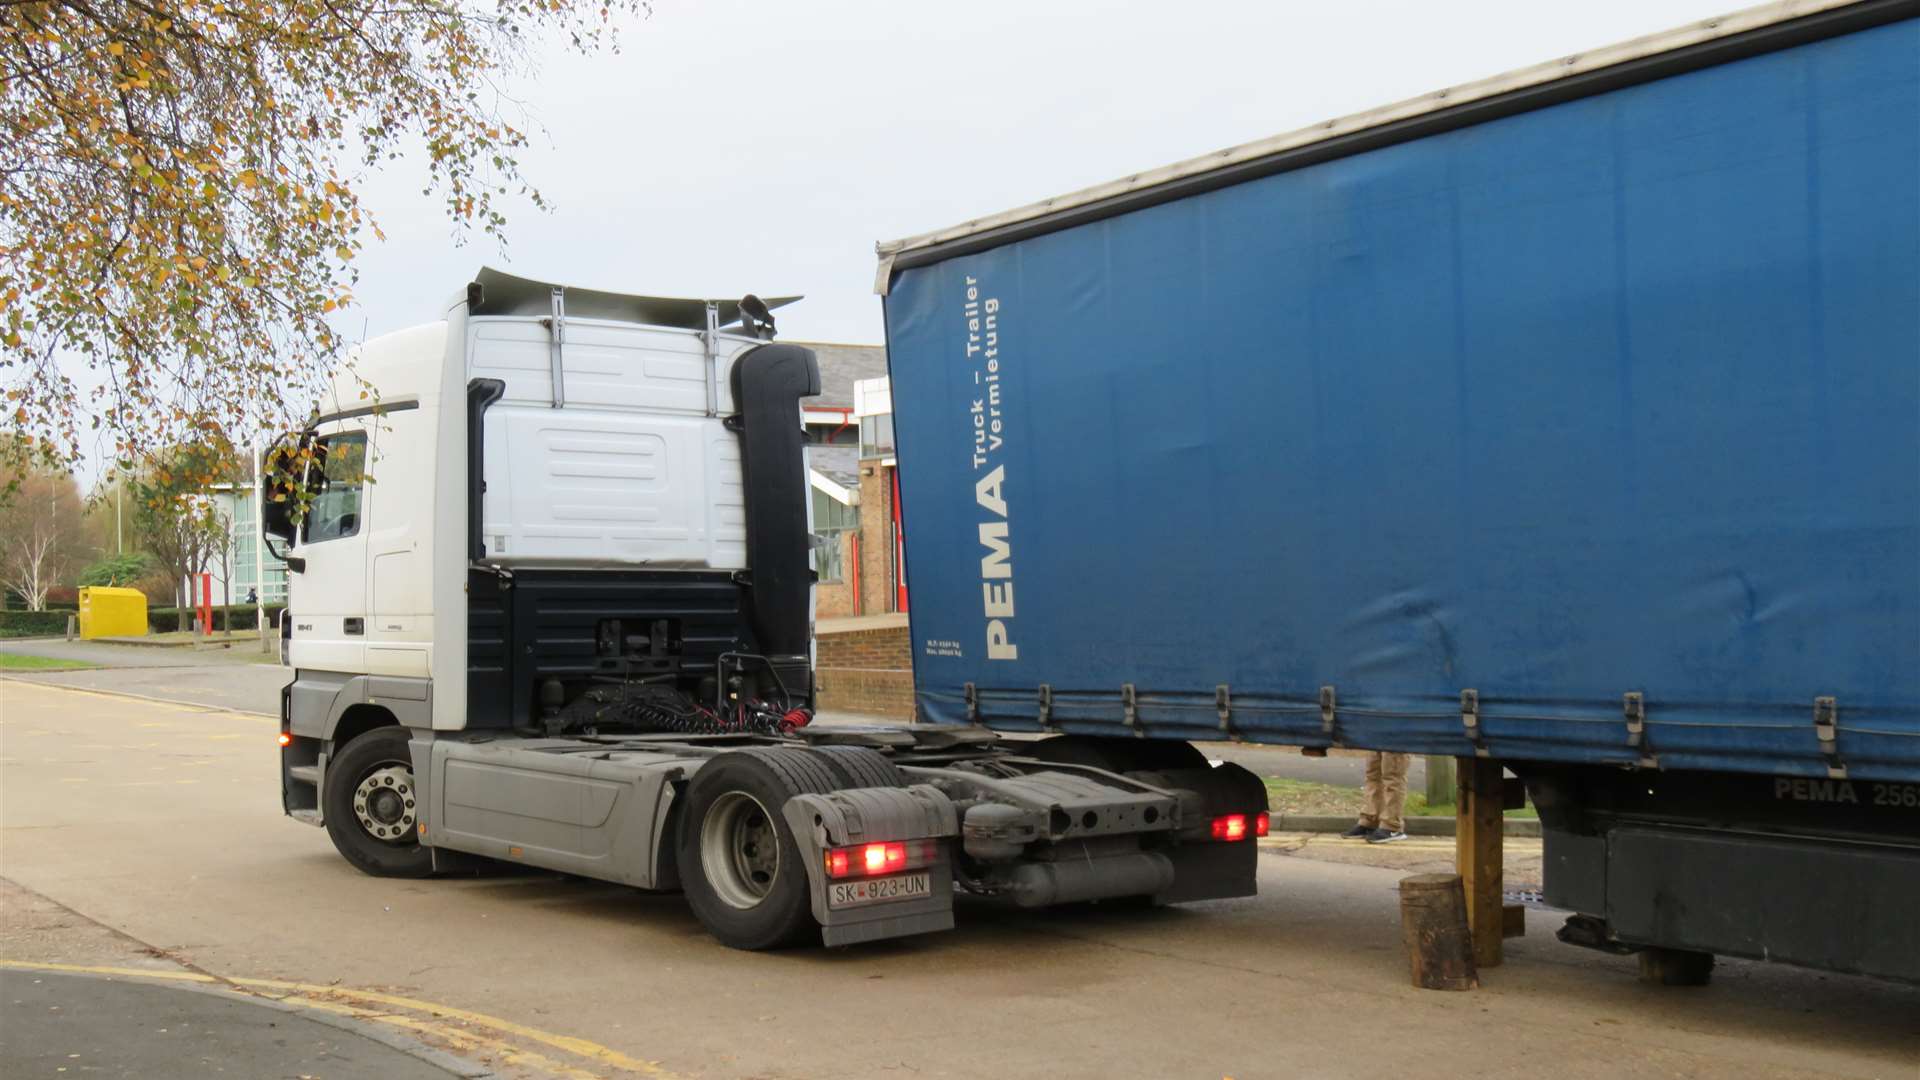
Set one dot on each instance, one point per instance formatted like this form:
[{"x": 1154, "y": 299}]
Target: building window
[
  {"x": 833, "y": 520},
  {"x": 876, "y": 435}
]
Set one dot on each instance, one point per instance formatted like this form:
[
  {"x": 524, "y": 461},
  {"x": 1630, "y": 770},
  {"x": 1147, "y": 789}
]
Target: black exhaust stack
[{"x": 768, "y": 382}]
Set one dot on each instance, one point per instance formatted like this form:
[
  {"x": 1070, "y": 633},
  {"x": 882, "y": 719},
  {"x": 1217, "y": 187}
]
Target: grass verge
[
  {"x": 19, "y": 662},
  {"x": 1306, "y": 797}
]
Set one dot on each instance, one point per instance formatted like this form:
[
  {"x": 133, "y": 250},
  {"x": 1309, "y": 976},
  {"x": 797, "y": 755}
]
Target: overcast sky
[
  {"x": 736, "y": 147},
  {"x": 764, "y": 147}
]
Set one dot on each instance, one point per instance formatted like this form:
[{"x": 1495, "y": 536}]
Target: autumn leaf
[{"x": 179, "y": 180}]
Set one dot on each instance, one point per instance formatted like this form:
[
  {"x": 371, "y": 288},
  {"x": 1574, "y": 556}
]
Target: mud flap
[{"x": 874, "y": 815}]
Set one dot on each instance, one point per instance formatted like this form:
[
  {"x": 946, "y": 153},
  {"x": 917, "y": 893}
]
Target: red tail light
[
  {"x": 1261, "y": 823},
  {"x": 872, "y": 860},
  {"x": 286, "y": 739},
  {"x": 1230, "y": 827}
]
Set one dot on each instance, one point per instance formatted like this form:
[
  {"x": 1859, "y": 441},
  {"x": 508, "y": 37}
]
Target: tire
[
  {"x": 747, "y": 896},
  {"x": 380, "y": 755},
  {"x": 1120, "y": 755},
  {"x": 862, "y": 767}
]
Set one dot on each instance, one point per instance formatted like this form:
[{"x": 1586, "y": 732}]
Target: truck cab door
[{"x": 329, "y": 597}]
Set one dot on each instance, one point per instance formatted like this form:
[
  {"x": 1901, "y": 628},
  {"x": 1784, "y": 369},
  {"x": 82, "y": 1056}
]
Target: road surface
[
  {"x": 233, "y": 679},
  {"x": 147, "y": 837}
]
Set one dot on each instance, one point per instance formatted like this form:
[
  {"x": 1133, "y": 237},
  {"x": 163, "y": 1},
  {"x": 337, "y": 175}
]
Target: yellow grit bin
[{"x": 110, "y": 612}]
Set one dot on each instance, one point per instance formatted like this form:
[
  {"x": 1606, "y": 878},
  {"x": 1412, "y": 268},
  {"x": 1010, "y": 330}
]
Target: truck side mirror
[
  {"x": 280, "y": 487},
  {"x": 276, "y": 518}
]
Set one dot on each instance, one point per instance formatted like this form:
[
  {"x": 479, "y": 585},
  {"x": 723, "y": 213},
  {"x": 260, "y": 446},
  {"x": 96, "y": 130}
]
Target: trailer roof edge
[{"x": 1704, "y": 43}]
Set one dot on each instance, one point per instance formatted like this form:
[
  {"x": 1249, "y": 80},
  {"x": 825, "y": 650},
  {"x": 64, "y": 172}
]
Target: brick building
[
  {"x": 865, "y": 665},
  {"x": 882, "y": 585},
  {"x": 833, "y": 454}
]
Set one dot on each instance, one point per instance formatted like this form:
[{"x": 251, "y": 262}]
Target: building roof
[
  {"x": 840, "y": 367},
  {"x": 840, "y": 464}
]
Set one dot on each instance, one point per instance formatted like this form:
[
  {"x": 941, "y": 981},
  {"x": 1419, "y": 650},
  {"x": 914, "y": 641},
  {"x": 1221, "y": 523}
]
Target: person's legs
[
  {"x": 1370, "y": 793},
  {"x": 1392, "y": 809}
]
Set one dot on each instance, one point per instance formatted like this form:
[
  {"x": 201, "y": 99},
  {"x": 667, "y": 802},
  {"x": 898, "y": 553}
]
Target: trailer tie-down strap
[
  {"x": 1223, "y": 704},
  {"x": 1470, "y": 720},
  {"x": 1046, "y": 707}
]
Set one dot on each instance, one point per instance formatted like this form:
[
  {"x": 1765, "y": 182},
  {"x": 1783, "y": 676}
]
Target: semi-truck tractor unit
[{"x": 551, "y": 604}]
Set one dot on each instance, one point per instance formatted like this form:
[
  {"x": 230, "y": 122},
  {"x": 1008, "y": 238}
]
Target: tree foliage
[
  {"x": 175, "y": 517},
  {"x": 180, "y": 190},
  {"x": 118, "y": 570},
  {"x": 41, "y": 541}
]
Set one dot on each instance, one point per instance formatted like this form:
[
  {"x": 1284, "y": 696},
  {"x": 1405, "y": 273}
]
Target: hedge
[
  {"x": 166, "y": 620},
  {"x": 15, "y": 624}
]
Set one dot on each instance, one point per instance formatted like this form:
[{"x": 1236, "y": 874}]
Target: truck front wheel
[
  {"x": 371, "y": 805},
  {"x": 739, "y": 862}
]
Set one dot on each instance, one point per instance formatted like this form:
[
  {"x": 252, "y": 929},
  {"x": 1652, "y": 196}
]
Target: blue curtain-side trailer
[{"x": 1569, "y": 420}]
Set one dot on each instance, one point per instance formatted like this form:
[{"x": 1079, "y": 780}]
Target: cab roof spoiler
[{"x": 495, "y": 292}]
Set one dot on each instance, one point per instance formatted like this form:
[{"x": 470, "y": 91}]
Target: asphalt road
[
  {"x": 150, "y": 838},
  {"x": 233, "y": 679}
]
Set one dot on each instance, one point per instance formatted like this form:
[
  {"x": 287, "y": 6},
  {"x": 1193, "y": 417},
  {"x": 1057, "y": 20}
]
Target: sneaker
[
  {"x": 1384, "y": 836},
  {"x": 1358, "y": 832}
]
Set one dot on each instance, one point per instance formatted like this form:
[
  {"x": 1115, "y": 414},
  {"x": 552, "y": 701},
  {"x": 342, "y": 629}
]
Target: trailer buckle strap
[
  {"x": 1470, "y": 720},
  {"x": 1130, "y": 710},
  {"x": 1329, "y": 705},
  {"x": 973, "y": 703},
  {"x": 1826, "y": 727},
  {"x": 1046, "y": 707},
  {"x": 1223, "y": 704},
  {"x": 1634, "y": 705}
]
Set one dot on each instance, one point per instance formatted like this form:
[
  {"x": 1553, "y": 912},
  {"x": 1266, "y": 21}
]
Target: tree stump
[{"x": 1433, "y": 921}]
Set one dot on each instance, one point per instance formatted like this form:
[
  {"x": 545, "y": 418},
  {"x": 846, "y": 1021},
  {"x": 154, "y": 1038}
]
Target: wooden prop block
[
  {"x": 1514, "y": 921},
  {"x": 1433, "y": 922},
  {"x": 1478, "y": 854}
]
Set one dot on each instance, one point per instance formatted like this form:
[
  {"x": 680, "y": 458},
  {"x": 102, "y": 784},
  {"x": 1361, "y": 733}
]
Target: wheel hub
[
  {"x": 739, "y": 849},
  {"x": 384, "y": 803}
]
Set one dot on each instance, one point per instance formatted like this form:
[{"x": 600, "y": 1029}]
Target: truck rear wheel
[
  {"x": 739, "y": 862},
  {"x": 861, "y": 766},
  {"x": 371, "y": 805}
]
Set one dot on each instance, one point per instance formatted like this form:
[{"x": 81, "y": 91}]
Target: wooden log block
[
  {"x": 1479, "y": 826},
  {"x": 1433, "y": 922}
]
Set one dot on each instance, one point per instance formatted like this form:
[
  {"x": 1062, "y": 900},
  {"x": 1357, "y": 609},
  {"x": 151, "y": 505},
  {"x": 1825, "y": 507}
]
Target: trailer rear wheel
[
  {"x": 371, "y": 805},
  {"x": 738, "y": 860}
]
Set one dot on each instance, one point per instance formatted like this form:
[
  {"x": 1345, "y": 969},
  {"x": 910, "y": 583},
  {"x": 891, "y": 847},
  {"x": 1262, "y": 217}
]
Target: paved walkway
[{"x": 55, "y": 1024}]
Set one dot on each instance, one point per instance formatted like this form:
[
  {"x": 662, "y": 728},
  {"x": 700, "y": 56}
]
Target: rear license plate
[{"x": 846, "y": 894}]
